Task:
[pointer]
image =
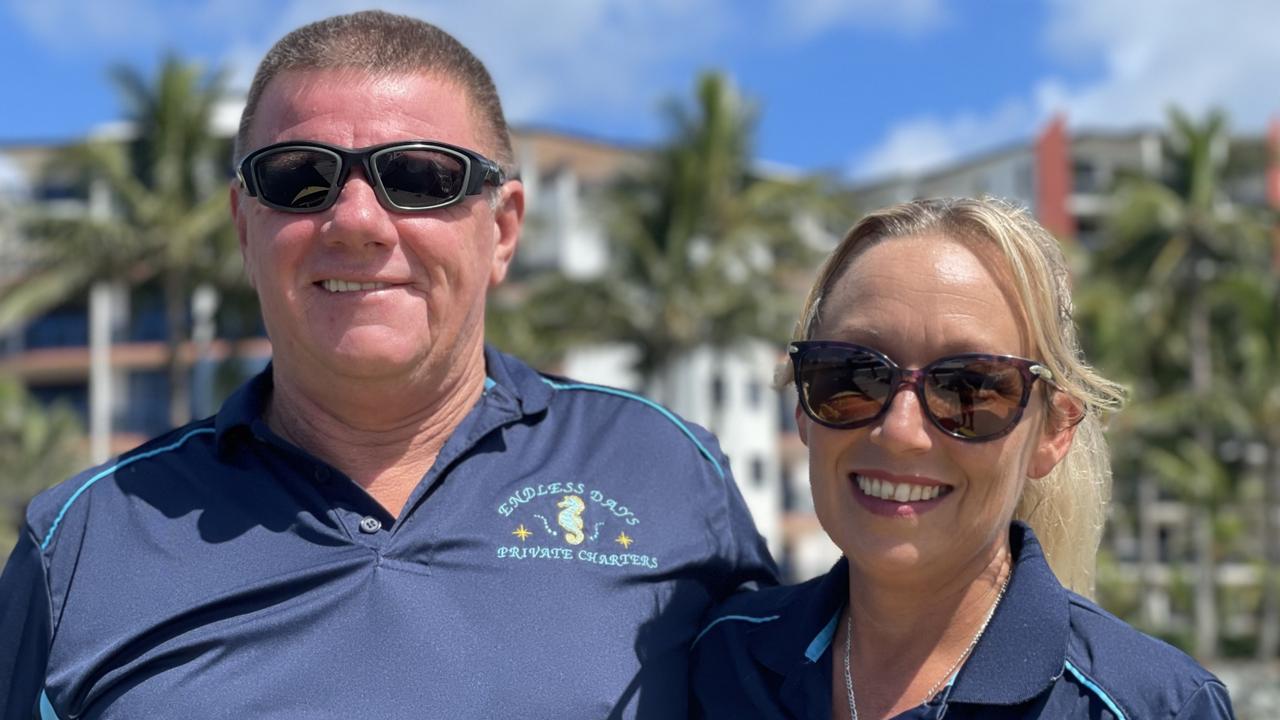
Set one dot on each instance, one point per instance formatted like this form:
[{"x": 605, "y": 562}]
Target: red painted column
[
  {"x": 1273, "y": 188},
  {"x": 1053, "y": 179}
]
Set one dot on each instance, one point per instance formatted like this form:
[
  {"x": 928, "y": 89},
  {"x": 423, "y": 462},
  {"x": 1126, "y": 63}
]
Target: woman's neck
[{"x": 910, "y": 635}]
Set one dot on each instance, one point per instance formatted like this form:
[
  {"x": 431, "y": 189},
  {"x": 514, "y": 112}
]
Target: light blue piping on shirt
[
  {"x": 632, "y": 396},
  {"x": 123, "y": 463},
  {"x": 1102, "y": 695},
  {"x": 743, "y": 618},
  {"x": 46, "y": 709},
  {"x": 823, "y": 639}
]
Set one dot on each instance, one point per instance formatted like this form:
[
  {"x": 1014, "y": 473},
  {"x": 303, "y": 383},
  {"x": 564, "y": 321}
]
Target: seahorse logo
[{"x": 570, "y": 518}]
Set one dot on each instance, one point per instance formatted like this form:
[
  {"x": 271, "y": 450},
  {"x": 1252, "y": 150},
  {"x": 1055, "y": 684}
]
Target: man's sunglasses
[
  {"x": 407, "y": 176},
  {"x": 971, "y": 397}
]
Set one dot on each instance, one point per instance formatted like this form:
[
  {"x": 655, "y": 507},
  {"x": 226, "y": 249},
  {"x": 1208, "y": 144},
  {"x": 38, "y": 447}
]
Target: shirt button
[{"x": 370, "y": 524}]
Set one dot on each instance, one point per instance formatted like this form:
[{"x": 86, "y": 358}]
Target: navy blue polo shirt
[
  {"x": 555, "y": 561},
  {"x": 1047, "y": 653}
]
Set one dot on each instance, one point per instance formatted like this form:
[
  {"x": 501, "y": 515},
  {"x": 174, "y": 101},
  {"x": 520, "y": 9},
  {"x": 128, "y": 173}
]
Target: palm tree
[
  {"x": 1251, "y": 390},
  {"x": 700, "y": 247},
  {"x": 1175, "y": 237},
  {"x": 166, "y": 221}
]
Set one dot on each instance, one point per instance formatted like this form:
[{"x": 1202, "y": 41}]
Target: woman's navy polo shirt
[
  {"x": 1047, "y": 653},
  {"x": 556, "y": 561}
]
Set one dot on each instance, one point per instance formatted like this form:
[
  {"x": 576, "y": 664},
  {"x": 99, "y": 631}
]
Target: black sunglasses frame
[
  {"x": 479, "y": 170},
  {"x": 1030, "y": 370}
]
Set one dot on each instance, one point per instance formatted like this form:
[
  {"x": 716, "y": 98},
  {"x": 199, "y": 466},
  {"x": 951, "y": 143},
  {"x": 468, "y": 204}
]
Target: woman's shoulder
[{"x": 1140, "y": 674}]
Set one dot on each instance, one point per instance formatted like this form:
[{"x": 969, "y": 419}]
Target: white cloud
[
  {"x": 599, "y": 60},
  {"x": 66, "y": 26},
  {"x": 921, "y": 143},
  {"x": 805, "y": 18},
  {"x": 1146, "y": 55},
  {"x": 554, "y": 55},
  {"x": 1156, "y": 52}
]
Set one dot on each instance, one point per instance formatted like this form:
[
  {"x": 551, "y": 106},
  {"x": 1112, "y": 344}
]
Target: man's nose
[{"x": 358, "y": 218}]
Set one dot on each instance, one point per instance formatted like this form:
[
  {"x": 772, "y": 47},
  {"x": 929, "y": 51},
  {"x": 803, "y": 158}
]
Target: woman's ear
[{"x": 1065, "y": 413}]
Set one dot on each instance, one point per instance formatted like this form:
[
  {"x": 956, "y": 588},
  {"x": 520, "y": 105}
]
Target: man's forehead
[{"x": 295, "y": 97}]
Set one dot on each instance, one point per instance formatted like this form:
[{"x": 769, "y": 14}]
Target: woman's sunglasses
[
  {"x": 971, "y": 397},
  {"x": 407, "y": 176}
]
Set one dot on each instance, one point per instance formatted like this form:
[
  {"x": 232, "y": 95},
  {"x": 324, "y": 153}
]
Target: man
[{"x": 392, "y": 520}]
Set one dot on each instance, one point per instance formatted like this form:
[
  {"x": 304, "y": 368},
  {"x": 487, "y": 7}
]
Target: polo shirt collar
[
  {"x": 245, "y": 405},
  {"x": 530, "y": 392},
  {"x": 508, "y": 381},
  {"x": 795, "y": 644},
  {"x": 1022, "y": 651}
]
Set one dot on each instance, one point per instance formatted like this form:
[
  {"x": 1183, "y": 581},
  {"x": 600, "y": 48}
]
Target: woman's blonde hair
[{"x": 1066, "y": 508}]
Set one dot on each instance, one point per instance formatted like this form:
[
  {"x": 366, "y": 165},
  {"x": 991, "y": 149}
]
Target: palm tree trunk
[
  {"x": 1269, "y": 624},
  {"x": 1148, "y": 549},
  {"x": 100, "y": 374},
  {"x": 175, "y": 310},
  {"x": 1206, "y": 604}
]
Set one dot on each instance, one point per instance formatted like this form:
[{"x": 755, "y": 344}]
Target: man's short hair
[{"x": 380, "y": 43}]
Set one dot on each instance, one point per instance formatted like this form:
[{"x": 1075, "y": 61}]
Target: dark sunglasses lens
[
  {"x": 298, "y": 178},
  {"x": 843, "y": 387},
  {"x": 421, "y": 178},
  {"x": 974, "y": 398}
]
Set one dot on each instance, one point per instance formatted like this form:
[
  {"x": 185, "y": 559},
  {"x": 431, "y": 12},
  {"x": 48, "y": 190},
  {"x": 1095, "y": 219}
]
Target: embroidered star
[
  {"x": 623, "y": 540},
  {"x": 521, "y": 533}
]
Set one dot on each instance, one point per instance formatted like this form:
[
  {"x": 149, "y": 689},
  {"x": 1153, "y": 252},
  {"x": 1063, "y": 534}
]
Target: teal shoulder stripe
[
  {"x": 632, "y": 396},
  {"x": 1102, "y": 694},
  {"x": 741, "y": 618},
  {"x": 822, "y": 640},
  {"x": 123, "y": 463},
  {"x": 46, "y": 709}
]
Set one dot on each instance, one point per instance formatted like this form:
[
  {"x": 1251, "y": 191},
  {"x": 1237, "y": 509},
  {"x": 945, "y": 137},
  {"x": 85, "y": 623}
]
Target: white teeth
[
  {"x": 897, "y": 492},
  {"x": 336, "y": 286}
]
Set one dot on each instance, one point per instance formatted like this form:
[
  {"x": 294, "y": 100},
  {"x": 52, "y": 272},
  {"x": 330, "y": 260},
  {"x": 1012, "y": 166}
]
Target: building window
[
  {"x": 757, "y": 472},
  {"x": 1086, "y": 178},
  {"x": 1089, "y": 231},
  {"x": 755, "y": 394},
  {"x": 717, "y": 393},
  {"x": 787, "y": 409}
]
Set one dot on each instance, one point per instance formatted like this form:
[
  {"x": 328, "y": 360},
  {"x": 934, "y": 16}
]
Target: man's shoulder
[
  {"x": 48, "y": 510},
  {"x": 1138, "y": 672},
  {"x": 619, "y": 412}
]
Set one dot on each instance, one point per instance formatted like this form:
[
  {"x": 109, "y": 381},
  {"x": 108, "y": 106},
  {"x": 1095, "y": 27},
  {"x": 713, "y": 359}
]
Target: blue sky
[{"x": 855, "y": 87}]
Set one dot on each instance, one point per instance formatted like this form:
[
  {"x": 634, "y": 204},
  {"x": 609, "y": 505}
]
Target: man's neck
[{"x": 383, "y": 434}]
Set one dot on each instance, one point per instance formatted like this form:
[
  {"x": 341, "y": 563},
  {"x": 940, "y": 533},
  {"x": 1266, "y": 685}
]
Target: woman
[{"x": 957, "y": 460}]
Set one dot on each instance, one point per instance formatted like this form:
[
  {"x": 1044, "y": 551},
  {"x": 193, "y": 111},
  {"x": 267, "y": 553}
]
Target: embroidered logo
[
  {"x": 570, "y": 518},
  {"x": 575, "y": 516}
]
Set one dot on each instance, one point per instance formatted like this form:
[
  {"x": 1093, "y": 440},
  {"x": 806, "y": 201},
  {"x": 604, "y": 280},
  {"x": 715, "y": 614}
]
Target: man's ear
[
  {"x": 1055, "y": 439},
  {"x": 508, "y": 219},
  {"x": 241, "y": 223}
]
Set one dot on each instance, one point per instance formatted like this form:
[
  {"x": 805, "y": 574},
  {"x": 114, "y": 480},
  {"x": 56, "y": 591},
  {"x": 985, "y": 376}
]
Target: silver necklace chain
[{"x": 848, "y": 634}]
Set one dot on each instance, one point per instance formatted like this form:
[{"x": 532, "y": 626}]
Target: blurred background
[{"x": 688, "y": 164}]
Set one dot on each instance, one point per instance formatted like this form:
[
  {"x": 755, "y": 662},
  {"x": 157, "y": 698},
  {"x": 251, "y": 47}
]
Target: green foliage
[
  {"x": 1180, "y": 304},
  {"x": 38, "y": 447},
  {"x": 699, "y": 249}
]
